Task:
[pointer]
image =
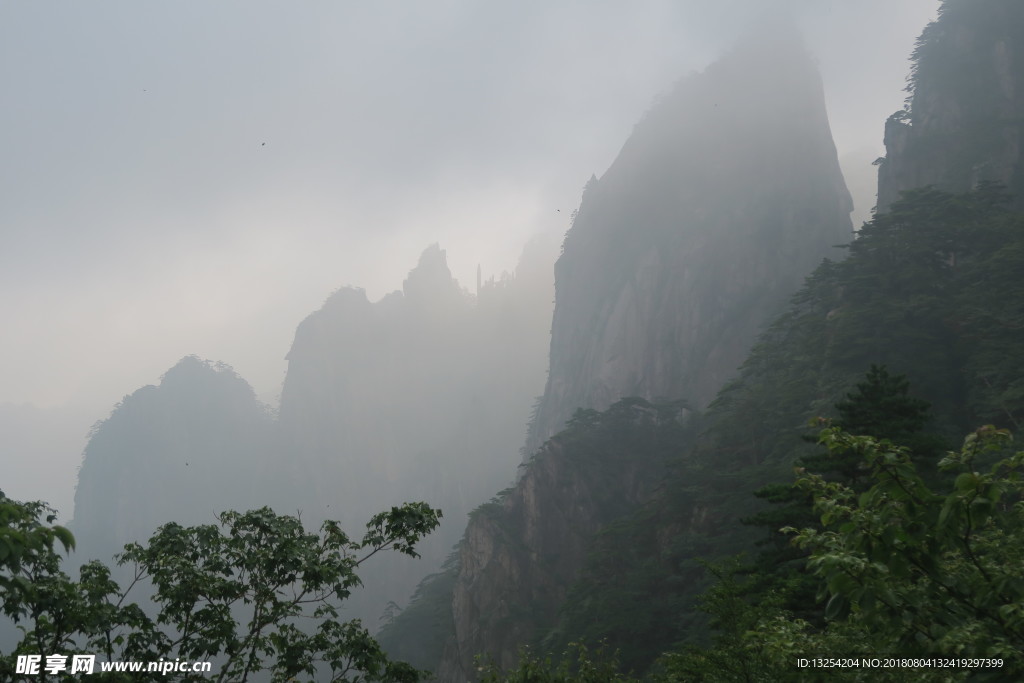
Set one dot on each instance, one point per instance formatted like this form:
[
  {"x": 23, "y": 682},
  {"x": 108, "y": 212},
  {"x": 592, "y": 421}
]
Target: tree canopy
[{"x": 255, "y": 594}]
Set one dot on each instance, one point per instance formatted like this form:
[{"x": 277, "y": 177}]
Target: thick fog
[{"x": 197, "y": 178}]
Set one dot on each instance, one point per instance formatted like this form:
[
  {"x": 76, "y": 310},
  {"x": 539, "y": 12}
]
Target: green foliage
[
  {"x": 24, "y": 538},
  {"x": 241, "y": 593},
  {"x": 881, "y": 405},
  {"x": 417, "y": 634},
  {"x": 916, "y": 294},
  {"x": 630, "y": 592},
  {"x": 906, "y": 569},
  {"x": 926, "y": 571},
  {"x": 939, "y": 61},
  {"x": 577, "y": 665},
  {"x": 755, "y": 637}
]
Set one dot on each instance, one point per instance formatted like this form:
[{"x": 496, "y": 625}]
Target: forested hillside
[{"x": 931, "y": 290}]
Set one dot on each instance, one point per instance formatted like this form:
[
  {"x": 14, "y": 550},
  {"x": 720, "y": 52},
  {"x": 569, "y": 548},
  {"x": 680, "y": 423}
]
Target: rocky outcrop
[
  {"x": 725, "y": 196},
  {"x": 965, "y": 118}
]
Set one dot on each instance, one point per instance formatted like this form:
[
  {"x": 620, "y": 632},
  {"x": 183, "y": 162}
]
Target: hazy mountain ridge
[{"x": 422, "y": 395}]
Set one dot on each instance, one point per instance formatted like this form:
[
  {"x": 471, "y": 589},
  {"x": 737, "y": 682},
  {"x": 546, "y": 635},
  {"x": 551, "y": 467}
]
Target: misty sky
[{"x": 197, "y": 177}]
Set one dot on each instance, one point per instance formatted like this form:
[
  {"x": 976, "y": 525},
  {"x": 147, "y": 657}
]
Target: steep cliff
[
  {"x": 965, "y": 116},
  {"x": 524, "y": 549},
  {"x": 724, "y": 197},
  {"x": 185, "y": 450}
]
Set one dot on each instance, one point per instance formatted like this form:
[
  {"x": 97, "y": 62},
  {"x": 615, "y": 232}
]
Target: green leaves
[
  {"x": 255, "y": 592},
  {"x": 918, "y": 568},
  {"x": 904, "y": 567},
  {"x": 23, "y": 537},
  {"x": 401, "y": 528},
  {"x": 577, "y": 665}
]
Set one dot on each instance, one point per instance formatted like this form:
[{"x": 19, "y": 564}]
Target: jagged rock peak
[
  {"x": 421, "y": 395},
  {"x": 431, "y": 278},
  {"x": 964, "y": 117}
]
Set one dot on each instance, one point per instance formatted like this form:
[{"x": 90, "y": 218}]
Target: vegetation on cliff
[{"x": 962, "y": 123}]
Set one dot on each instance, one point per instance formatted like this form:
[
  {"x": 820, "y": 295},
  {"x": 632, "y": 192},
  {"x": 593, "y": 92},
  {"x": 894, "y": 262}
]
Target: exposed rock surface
[
  {"x": 522, "y": 551},
  {"x": 966, "y": 114},
  {"x": 726, "y": 195}
]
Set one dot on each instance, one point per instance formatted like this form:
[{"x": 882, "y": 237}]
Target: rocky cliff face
[
  {"x": 964, "y": 120},
  {"x": 726, "y": 195},
  {"x": 522, "y": 551}
]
